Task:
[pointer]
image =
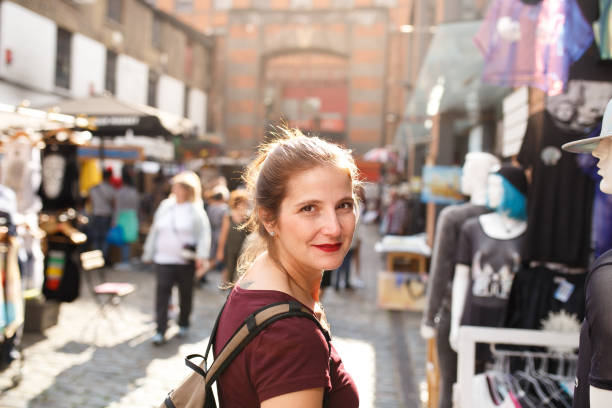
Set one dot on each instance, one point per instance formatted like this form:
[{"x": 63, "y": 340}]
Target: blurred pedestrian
[
  {"x": 232, "y": 235},
  {"x": 303, "y": 221},
  {"x": 101, "y": 199},
  {"x": 394, "y": 219},
  {"x": 178, "y": 244},
  {"x": 216, "y": 209},
  {"x": 127, "y": 203}
]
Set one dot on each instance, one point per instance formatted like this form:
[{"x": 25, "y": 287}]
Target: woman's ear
[{"x": 266, "y": 219}]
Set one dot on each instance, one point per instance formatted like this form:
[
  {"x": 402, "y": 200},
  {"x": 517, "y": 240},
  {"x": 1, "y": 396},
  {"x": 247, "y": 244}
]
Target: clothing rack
[{"x": 470, "y": 335}]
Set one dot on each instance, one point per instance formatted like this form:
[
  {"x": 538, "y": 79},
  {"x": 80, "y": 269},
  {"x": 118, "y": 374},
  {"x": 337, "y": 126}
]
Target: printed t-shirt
[
  {"x": 493, "y": 263},
  {"x": 595, "y": 351},
  {"x": 60, "y": 177},
  {"x": 533, "y": 45},
  {"x": 442, "y": 267},
  {"x": 560, "y": 196},
  {"x": 289, "y": 355}
]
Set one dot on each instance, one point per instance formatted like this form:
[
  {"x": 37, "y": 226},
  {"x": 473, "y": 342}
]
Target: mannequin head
[
  {"x": 506, "y": 192},
  {"x": 603, "y": 152},
  {"x": 476, "y": 169}
]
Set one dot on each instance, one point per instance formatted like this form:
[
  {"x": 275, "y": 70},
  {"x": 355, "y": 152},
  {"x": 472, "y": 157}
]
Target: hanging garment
[
  {"x": 532, "y": 45},
  {"x": 493, "y": 263},
  {"x": 59, "y": 188},
  {"x": 21, "y": 172},
  {"x": 61, "y": 271},
  {"x": 11, "y": 295},
  {"x": 90, "y": 175},
  {"x": 594, "y": 353},
  {"x": 603, "y": 34},
  {"x": 538, "y": 291},
  {"x": 560, "y": 196}
]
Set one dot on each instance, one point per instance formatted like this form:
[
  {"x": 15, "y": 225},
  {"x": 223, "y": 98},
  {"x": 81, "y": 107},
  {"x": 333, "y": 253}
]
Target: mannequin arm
[
  {"x": 460, "y": 286},
  {"x": 600, "y": 398}
]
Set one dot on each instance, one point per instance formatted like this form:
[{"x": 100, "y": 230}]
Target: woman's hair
[
  {"x": 267, "y": 176},
  {"x": 238, "y": 197}
]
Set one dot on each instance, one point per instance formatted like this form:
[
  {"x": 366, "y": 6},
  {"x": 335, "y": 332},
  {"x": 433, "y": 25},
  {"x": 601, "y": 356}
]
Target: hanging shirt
[
  {"x": 59, "y": 189},
  {"x": 533, "y": 45},
  {"x": 560, "y": 196},
  {"x": 539, "y": 291},
  {"x": 493, "y": 263},
  {"x": 595, "y": 351},
  {"x": 442, "y": 266},
  {"x": 603, "y": 35}
]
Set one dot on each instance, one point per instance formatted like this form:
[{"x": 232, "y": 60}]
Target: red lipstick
[{"x": 329, "y": 247}]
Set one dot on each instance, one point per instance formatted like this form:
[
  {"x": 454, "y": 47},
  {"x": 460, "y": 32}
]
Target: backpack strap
[{"x": 252, "y": 325}]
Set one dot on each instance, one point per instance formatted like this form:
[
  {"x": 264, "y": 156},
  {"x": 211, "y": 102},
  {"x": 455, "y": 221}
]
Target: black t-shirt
[
  {"x": 595, "y": 353},
  {"x": 60, "y": 177},
  {"x": 493, "y": 263},
  {"x": 560, "y": 196}
]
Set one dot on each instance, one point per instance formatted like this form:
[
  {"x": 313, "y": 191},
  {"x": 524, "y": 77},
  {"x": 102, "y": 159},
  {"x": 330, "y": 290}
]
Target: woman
[
  {"x": 232, "y": 236},
  {"x": 127, "y": 203},
  {"x": 303, "y": 191},
  {"x": 180, "y": 227}
]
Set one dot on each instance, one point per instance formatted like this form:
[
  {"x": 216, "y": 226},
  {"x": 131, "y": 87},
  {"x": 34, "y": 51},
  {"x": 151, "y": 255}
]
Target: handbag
[
  {"x": 196, "y": 390},
  {"x": 115, "y": 236}
]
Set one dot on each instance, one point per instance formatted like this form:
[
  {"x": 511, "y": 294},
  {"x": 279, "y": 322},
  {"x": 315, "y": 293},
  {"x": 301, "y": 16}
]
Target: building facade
[{"x": 53, "y": 50}]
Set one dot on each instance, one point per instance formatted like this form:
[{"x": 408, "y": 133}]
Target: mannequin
[
  {"x": 594, "y": 382},
  {"x": 436, "y": 315},
  {"x": 489, "y": 254}
]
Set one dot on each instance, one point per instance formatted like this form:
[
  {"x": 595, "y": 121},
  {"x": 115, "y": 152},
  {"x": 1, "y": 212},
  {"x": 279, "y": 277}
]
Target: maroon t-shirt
[{"x": 289, "y": 355}]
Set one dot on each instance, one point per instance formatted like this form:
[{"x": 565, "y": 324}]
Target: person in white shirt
[{"x": 178, "y": 244}]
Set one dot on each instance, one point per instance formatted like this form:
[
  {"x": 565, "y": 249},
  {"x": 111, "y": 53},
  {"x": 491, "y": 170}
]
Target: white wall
[
  {"x": 197, "y": 109},
  {"x": 132, "y": 79},
  {"x": 32, "y": 40},
  {"x": 170, "y": 95},
  {"x": 88, "y": 64}
]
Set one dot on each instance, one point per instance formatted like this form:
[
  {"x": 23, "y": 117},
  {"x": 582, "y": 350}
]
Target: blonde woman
[{"x": 178, "y": 244}]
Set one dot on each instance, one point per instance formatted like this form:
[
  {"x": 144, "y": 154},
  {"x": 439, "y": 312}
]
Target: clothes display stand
[{"x": 470, "y": 335}]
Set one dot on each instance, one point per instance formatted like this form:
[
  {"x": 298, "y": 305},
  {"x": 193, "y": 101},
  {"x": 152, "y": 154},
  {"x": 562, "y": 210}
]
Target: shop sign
[
  {"x": 116, "y": 121},
  {"x": 441, "y": 185}
]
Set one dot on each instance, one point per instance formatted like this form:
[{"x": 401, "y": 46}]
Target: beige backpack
[{"x": 196, "y": 390}]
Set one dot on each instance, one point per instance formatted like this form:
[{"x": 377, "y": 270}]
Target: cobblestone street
[{"x": 90, "y": 361}]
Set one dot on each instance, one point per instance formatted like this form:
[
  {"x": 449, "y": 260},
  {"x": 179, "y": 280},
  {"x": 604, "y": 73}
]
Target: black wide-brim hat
[{"x": 589, "y": 144}]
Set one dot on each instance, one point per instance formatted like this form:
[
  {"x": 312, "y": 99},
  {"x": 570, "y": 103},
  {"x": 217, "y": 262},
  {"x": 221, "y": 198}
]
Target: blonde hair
[
  {"x": 190, "y": 180},
  {"x": 266, "y": 178}
]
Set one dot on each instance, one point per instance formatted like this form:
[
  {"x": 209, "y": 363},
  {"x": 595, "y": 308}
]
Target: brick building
[{"x": 59, "y": 49}]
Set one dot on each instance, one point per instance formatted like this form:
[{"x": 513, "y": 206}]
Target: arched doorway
[{"x": 309, "y": 90}]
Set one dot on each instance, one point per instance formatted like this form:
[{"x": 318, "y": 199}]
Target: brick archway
[{"x": 255, "y": 37}]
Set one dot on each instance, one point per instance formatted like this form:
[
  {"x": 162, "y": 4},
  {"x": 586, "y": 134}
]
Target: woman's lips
[{"x": 329, "y": 247}]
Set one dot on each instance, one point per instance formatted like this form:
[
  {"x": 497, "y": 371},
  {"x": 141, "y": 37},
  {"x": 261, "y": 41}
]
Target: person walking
[
  {"x": 216, "y": 209},
  {"x": 178, "y": 244},
  {"x": 127, "y": 203},
  {"x": 232, "y": 236},
  {"x": 101, "y": 198},
  {"x": 303, "y": 190}
]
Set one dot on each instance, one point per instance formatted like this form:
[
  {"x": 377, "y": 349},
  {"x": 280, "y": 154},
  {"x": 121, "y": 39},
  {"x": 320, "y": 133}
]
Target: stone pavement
[{"x": 89, "y": 361}]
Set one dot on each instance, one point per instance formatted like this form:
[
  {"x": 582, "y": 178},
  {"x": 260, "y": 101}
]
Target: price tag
[{"x": 564, "y": 291}]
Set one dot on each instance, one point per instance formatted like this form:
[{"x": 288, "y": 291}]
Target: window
[
  {"x": 62, "y": 59},
  {"x": 152, "y": 89},
  {"x": 222, "y": 4},
  {"x": 183, "y": 5},
  {"x": 114, "y": 10},
  {"x": 111, "y": 71},
  {"x": 188, "y": 60},
  {"x": 156, "y": 32},
  {"x": 301, "y": 4},
  {"x": 186, "y": 102}
]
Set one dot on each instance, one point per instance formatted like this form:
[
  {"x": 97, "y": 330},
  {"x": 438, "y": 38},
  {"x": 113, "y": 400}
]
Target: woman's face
[
  {"x": 316, "y": 220},
  {"x": 603, "y": 152},
  {"x": 181, "y": 192}
]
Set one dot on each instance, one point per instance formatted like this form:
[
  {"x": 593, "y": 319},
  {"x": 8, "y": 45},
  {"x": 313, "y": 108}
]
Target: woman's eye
[
  {"x": 347, "y": 205},
  {"x": 308, "y": 208}
]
